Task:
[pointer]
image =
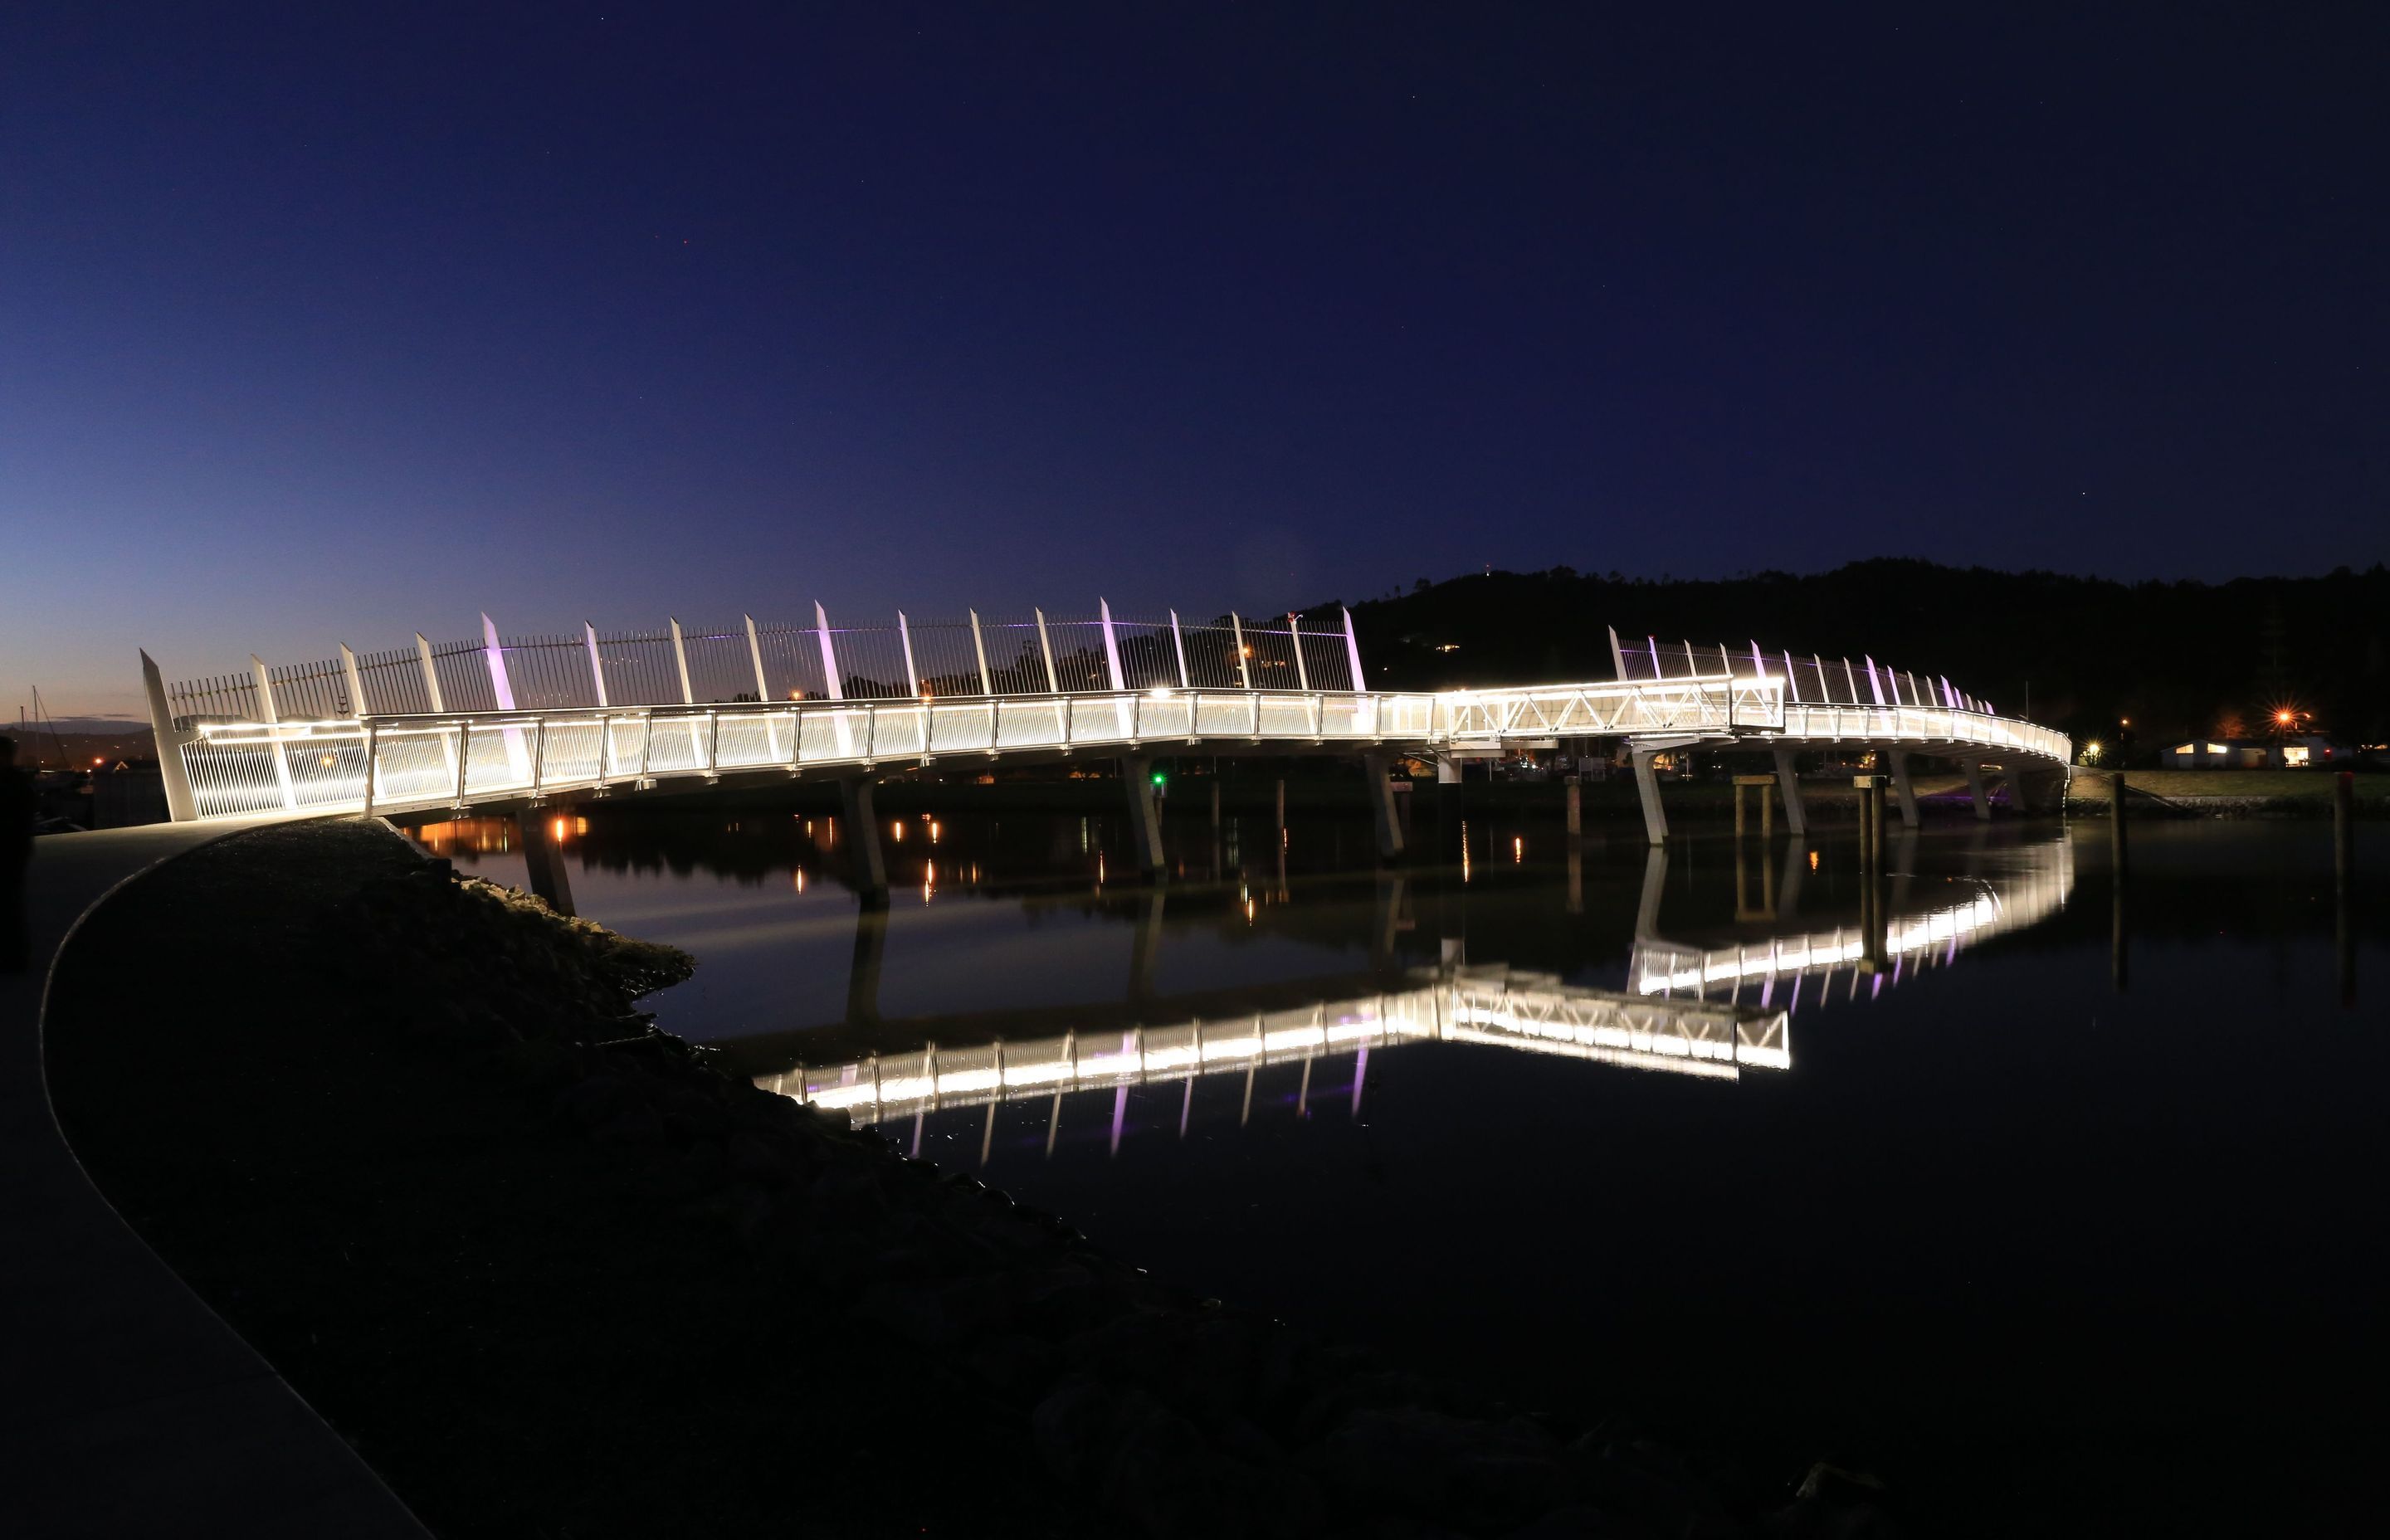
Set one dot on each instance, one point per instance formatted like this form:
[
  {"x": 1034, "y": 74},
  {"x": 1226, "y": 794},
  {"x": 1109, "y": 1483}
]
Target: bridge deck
[{"x": 387, "y": 764}]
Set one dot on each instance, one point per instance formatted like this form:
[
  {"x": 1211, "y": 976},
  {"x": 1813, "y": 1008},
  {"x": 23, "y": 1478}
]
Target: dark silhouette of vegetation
[{"x": 2178, "y": 660}]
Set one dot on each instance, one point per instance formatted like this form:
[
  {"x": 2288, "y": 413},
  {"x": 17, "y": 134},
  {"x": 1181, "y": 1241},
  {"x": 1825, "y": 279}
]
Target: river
[{"x": 2069, "y": 1198}]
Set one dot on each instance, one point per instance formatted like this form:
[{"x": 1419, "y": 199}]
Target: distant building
[{"x": 2243, "y": 753}]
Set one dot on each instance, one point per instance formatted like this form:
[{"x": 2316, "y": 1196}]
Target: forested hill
[{"x": 2178, "y": 659}]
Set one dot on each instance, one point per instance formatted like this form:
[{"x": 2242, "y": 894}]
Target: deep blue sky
[{"x": 333, "y": 322}]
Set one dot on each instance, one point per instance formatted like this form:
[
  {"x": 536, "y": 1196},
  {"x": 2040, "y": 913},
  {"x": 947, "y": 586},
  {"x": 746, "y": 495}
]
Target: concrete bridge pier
[
  {"x": 864, "y": 856},
  {"x": 1901, "y": 788},
  {"x": 1377, "y": 773},
  {"x": 544, "y": 856},
  {"x": 1647, "y": 783},
  {"x": 1788, "y": 782},
  {"x": 1143, "y": 812},
  {"x": 1647, "y": 791},
  {"x": 1975, "y": 791}
]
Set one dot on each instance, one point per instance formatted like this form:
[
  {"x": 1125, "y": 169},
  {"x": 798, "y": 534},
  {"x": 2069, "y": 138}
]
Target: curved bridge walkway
[{"x": 498, "y": 722}]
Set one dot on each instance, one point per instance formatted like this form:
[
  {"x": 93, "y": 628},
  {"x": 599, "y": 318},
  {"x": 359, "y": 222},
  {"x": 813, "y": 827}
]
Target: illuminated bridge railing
[
  {"x": 1923, "y": 727},
  {"x": 465, "y": 722},
  {"x": 396, "y": 763},
  {"x": 1720, "y": 703},
  {"x": 1523, "y": 1013},
  {"x": 391, "y": 763}
]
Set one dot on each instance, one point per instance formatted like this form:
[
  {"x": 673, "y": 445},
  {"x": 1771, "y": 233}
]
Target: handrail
[{"x": 412, "y": 760}]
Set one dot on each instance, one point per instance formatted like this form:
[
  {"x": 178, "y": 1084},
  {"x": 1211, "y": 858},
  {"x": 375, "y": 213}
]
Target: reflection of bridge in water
[
  {"x": 1487, "y": 1007},
  {"x": 1708, "y": 1011},
  {"x": 1910, "y": 940}
]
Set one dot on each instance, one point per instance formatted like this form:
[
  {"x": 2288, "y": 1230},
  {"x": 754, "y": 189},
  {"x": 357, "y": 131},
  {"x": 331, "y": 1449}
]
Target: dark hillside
[{"x": 2178, "y": 659}]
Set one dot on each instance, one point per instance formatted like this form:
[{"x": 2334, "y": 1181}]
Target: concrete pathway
[{"x": 126, "y": 1407}]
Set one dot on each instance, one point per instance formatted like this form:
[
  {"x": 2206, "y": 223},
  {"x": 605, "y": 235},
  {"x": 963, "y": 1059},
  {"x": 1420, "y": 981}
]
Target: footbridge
[{"x": 498, "y": 722}]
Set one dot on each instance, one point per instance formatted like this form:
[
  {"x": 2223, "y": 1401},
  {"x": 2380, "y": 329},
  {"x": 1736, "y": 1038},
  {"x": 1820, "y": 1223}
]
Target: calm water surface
[{"x": 2065, "y": 1206}]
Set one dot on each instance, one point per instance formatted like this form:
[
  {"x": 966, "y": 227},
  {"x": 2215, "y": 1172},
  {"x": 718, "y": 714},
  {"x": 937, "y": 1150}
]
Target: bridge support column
[
  {"x": 1901, "y": 788},
  {"x": 1376, "y": 772},
  {"x": 544, "y": 856},
  {"x": 1647, "y": 787},
  {"x": 862, "y": 853},
  {"x": 1143, "y": 812},
  {"x": 1788, "y": 783},
  {"x": 1975, "y": 791}
]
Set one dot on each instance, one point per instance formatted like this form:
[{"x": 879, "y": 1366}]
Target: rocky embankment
[{"x": 1177, "y": 1414}]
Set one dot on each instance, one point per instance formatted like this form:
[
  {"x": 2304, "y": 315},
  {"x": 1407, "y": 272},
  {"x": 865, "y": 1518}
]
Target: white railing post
[
  {"x": 596, "y": 664},
  {"x": 518, "y": 760},
  {"x": 830, "y": 682},
  {"x": 979, "y": 650},
  {"x": 432, "y": 690},
  {"x": 1237, "y": 636},
  {"x": 1617, "y": 653},
  {"x": 495, "y": 655},
  {"x": 1352, "y": 649},
  {"x": 830, "y": 656},
  {"x": 680, "y": 661},
  {"x": 274, "y": 734},
  {"x": 912, "y": 674},
  {"x": 1178, "y": 646},
  {"x": 1046, "y": 645},
  {"x": 373, "y": 766},
  {"x": 356, "y": 685},
  {"x": 1125, "y": 721},
  {"x": 755, "y": 656},
  {"x": 1294, "y": 634},
  {"x": 1875, "y": 685},
  {"x": 181, "y": 805},
  {"x": 431, "y": 674},
  {"x": 1112, "y": 647},
  {"x": 763, "y": 694},
  {"x": 688, "y": 694}
]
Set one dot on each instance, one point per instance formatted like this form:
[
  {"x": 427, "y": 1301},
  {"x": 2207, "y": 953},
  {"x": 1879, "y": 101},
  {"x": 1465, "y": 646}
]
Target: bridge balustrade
[{"x": 461, "y": 721}]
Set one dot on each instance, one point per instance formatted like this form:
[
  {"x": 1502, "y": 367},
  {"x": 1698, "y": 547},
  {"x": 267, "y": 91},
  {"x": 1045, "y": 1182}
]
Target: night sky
[{"x": 335, "y": 322}]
